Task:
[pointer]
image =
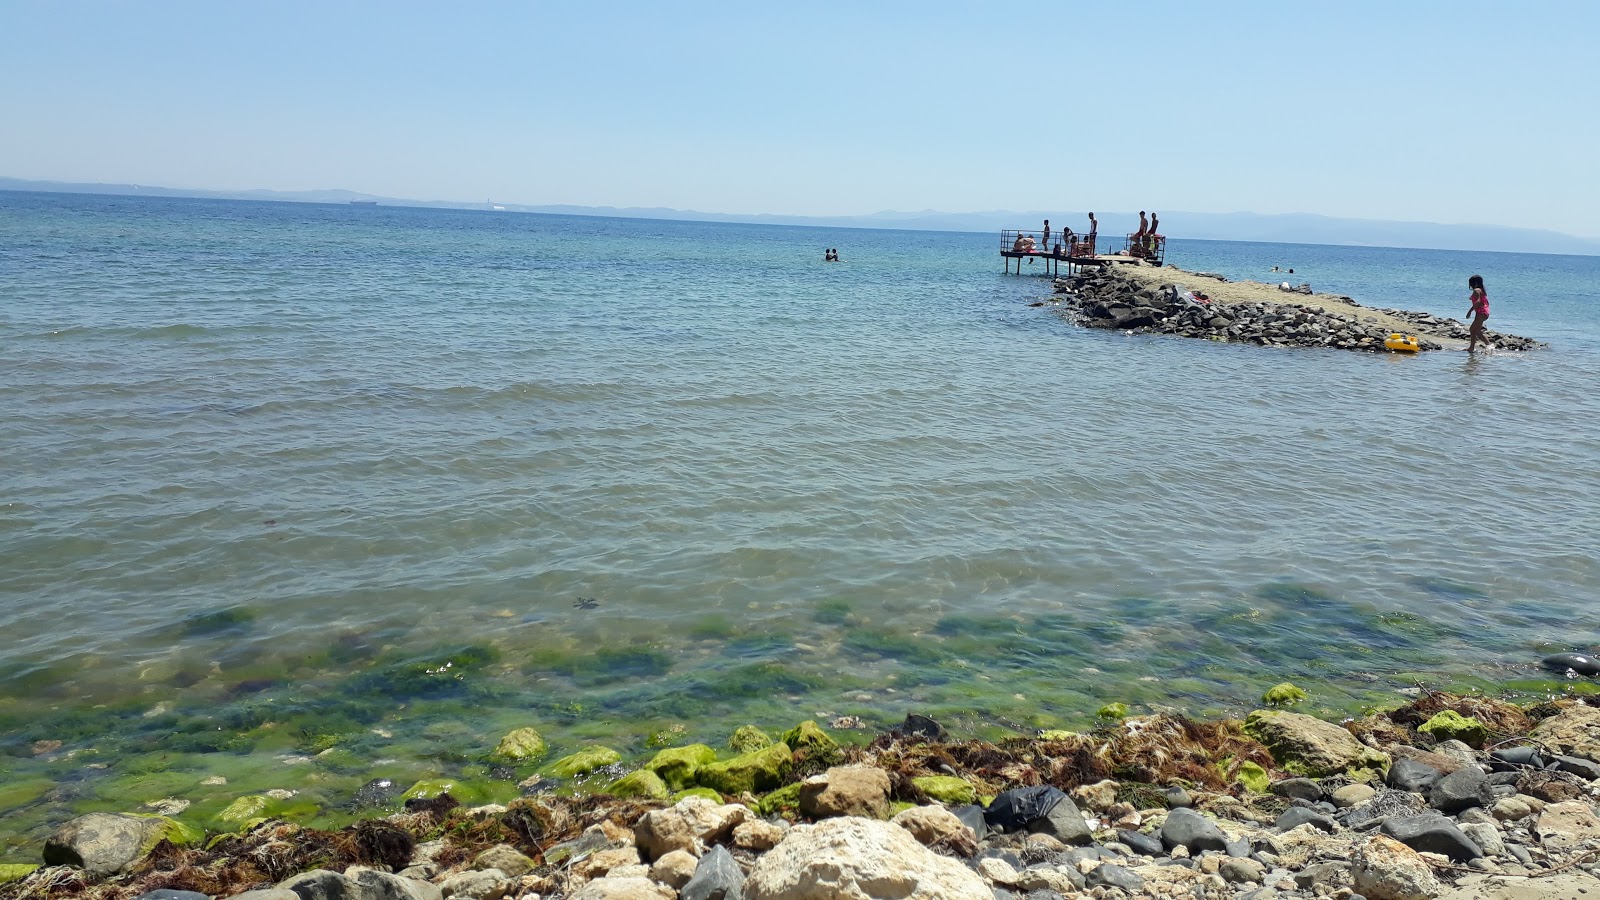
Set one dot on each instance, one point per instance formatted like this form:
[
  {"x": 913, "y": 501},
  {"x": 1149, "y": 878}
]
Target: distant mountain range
[{"x": 1302, "y": 228}]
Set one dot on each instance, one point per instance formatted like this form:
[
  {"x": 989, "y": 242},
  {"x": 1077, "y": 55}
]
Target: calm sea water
[{"x": 304, "y": 494}]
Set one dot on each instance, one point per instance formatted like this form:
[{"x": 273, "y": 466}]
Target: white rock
[
  {"x": 757, "y": 835},
  {"x": 691, "y": 825},
  {"x": 624, "y": 889},
  {"x": 932, "y": 825},
  {"x": 1385, "y": 869},
  {"x": 1486, "y": 836},
  {"x": 850, "y": 858},
  {"x": 477, "y": 884},
  {"x": 674, "y": 868},
  {"x": 1563, "y": 826}
]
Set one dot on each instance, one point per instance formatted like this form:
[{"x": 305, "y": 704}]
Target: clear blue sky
[{"x": 1444, "y": 112}]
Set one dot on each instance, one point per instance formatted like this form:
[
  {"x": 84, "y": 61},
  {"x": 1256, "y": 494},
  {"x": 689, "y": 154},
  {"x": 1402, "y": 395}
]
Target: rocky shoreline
[
  {"x": 1149, "y": 300},
  {"x": 1449, "y": 796}
]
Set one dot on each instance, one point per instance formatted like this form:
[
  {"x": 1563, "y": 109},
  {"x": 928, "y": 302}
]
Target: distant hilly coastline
[{"x": 1299, "y": 228}]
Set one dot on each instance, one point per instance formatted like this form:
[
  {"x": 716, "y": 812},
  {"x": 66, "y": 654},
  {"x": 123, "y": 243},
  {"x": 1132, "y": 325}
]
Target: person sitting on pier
[{"x": 1020, "y": 244}]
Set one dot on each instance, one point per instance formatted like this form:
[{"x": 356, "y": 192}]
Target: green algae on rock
[
  {"x": 1253, "y": 776},
  {"x": 758, "y": 770},
  {"x": 10, "y": 872},
  {"x": 1303, "y": 745},
  {"x": 642, "y": 784},
  {"x": 1284, "y": 694},
  {"x": 747, "y": 738},
  {"x": 245, "y": 809},
  {"x": 1113, "y": 711},
  {"x": 166, "y": 828},
  {"x": 1449, "y": 724},
  {"x": 520, "y": 745},
  {"x": 676, "y": 766},
  {"x": 584, "y": 761},
  {"x": 784, "y": 800},
  {"x": 809, "y": 740},
  {"x": 706, "y": 793},
  {"x": 946, "y": 789}
]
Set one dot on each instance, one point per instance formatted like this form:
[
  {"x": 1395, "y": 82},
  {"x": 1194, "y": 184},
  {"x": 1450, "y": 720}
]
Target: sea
[{"x": 299, "y": 498}]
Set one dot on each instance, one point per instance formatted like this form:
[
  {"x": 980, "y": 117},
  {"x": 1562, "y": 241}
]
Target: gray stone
[
  {"x": 1193, "y": 831},
  {"x": 1064, "y": 823},
  {"x": 971, "y": 816},
  {"x": 1177, "y": 797},
  {"x": 320, "y": 884},
  {"x": 1432, "y": 833},
  {"x": 267, "y": 894},
  {"x": 1142, "y": 844},
  {"x": 717, "y": 877},
  {"x": 1578, "y": 766},
  {"x": 1462, "y": 789},
  {"x": 1486, "y": 836},
  {"x": 1295, "y": 816},
  {"x": 98, "y": 843},
  {"x": 1333, "y": 874},
  {"x": 476, "y": 884},
  {"x": 1298, "y": 789},
  {"x": 1241, "y": 871},
  {"x": 1410, "y": 775},
  {"x": 1239, "y": 848},
  {"x": 1113, "y": 875},
  {"x": 170, "y": 894}
]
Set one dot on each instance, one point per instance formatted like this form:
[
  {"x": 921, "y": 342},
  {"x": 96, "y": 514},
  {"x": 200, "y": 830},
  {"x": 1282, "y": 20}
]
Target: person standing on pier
[
  {"x": 1045, "y": 243},
  {"x": 1144, "y": 227}
]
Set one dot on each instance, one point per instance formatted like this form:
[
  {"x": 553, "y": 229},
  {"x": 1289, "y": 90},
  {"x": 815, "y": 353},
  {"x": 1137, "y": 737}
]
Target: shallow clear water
[{"x": 269, "y": 466}]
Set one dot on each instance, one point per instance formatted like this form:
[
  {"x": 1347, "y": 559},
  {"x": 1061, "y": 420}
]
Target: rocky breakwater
[
  {"x": 1446, "y": 797},
  {"x": 1136, "y": 299}
]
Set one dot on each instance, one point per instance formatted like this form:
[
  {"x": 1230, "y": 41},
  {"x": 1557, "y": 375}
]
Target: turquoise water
[{"x": 270, "y": 467}]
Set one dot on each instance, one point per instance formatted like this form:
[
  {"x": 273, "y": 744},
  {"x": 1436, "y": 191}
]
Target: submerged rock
[
  {"x": 584, "y": 762},
  {"x": 747, "y": 738},
  {"x": 1581, "y": 663},
  {"x": 520, "y": 745}
]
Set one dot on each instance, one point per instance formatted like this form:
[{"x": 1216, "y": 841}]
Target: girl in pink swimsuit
[{"x": 1479, "y": 312}]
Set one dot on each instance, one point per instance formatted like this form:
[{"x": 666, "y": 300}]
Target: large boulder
[
  {"x": 624, "y": 889},
  {"x": 104, "y": 843},
  {"x": 1385, "y": 869},
  {"x": 1192, "y": 831},
  {"x": 846, "y": 791},
  {"x": 1567, "y": 825},
  {"x": 1575, "y": 731},
  {"x": 858, "y": 859},
  {"x": 1304, "y": 745},
  {"x": 691, "y": 825}
]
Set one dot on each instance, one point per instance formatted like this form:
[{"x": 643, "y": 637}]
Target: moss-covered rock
[
  {"x": 584, "y": 761},
  {"x": 1253, "y": 777},
  {"x": 783, "y": 800},
  {"x": 677, "y": 765},
  {"x": 747, "y": 738},
  {"x": 1284, "y": 694},
  {"x": 1057, "y": 734},
  {"x": 643, "y": 784},
  {"x": 809, "y": 741},
  {"x": 756, "y": 771},
  {"x": 1307, "y": 746},
  {"x": 946, "y": 789},
  {"x": 245, "y": 809},
  {"x": 1115, "y": 712},
  {"x": 707, "y": 793},
  {"x": 520, "y": 745},
  {"x": 10, "y": 872},
  {"x": 167, "y": 828},
  {"x": 428, "y": 789},
  {"x": 1449, "y": 724}
]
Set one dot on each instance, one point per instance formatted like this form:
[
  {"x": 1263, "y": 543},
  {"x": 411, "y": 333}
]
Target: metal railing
[
  {"x": 1016, "y": 241},
  {"x": 1152, "y": 247}
]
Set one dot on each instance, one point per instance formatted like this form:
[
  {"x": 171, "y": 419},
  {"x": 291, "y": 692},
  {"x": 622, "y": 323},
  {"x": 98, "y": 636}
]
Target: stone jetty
[
  {"x": 1447, "y": 797},
  {"x": 1204, "y": 305}
]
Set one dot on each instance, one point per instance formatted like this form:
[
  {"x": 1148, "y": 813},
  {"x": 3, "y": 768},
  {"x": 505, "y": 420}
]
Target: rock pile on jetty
[
  {"x": 1447, "y": 797},
  {"x": 1110, "y": 298}
]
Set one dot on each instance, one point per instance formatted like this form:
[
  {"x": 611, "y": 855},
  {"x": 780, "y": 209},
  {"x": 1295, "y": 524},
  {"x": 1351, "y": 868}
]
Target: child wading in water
[{"x": 1479, "y": 312}]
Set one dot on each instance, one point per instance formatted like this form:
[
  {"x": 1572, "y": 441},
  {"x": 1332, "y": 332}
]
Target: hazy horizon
[{"x": 1449, "y": 113}]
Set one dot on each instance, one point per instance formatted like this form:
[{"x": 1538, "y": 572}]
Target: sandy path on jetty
[{"x": 1233, "y": 292}]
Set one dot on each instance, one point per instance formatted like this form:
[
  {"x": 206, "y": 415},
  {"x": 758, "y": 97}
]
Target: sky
[{"x": 1451, "y": 112}]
